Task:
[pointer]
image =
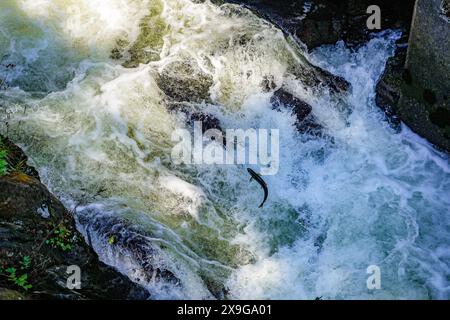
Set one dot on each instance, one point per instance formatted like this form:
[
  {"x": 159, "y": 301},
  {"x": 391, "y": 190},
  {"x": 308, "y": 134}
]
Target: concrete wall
[{"x": 425, "y": 100}]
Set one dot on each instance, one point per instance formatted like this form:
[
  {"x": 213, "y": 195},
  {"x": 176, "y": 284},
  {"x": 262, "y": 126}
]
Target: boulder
[
  {"x": 127, "y": 241},
  {"x": 39, "y": 241},
  {"x": 319, "y": 22},
  {"x": 208, "y": 121},
  {"x": 306, "y": 123},
  {"x": 183, "y": 81},
  {"x": 388, "y": 88}
]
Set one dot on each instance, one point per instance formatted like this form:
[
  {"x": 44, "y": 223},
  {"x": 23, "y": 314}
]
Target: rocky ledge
[
  {"x": 389, "y": 87},
  {"x": 319, "y": 22},
  {"x": 39, "y": 241}
]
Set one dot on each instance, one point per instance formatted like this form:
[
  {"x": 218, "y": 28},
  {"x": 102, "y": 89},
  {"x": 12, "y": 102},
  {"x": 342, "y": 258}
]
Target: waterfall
[{"x": 97, "y": 89}]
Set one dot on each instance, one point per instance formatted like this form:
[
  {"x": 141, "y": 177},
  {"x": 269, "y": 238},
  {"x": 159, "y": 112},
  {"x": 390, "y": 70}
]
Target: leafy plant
[
  {"x": 25, "y": 263},
  {"x": 60, "y": 237},
  {"x": 19, "y": 280},
  {"x": 3, "y": 163},
  {"x": 112, "y": 240}
]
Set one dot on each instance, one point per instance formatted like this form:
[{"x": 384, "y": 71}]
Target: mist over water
[{"x": 88, "y": 101}]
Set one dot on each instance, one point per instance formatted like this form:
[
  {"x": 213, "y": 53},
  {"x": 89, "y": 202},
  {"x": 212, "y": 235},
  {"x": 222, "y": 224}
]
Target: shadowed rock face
[
  {"x": 208, "y": 121},
  {"x": 31, "y": 224},
  {"x": 319, "y": 22},
  {"x": 446, "y": 8},
  {"x": 388, "y": 89}
]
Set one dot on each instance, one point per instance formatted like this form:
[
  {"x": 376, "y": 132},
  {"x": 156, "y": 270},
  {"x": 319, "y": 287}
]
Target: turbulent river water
[{"x": 85, "y": 96}]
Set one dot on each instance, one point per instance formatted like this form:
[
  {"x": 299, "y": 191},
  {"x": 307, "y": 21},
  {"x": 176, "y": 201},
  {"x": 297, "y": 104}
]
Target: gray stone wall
[{"x": 425, "y": 100}]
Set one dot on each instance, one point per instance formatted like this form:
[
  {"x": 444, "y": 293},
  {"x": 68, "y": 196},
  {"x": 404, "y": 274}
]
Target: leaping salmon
[{"x": 261, "y": 182}]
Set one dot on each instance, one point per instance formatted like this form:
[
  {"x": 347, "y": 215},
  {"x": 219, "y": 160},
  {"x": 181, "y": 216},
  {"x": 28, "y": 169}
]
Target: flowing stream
[{"x": 86, "y": 96}]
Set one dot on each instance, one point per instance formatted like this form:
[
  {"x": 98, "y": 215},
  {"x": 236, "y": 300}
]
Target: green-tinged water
[{"x": 88, "y": 100}]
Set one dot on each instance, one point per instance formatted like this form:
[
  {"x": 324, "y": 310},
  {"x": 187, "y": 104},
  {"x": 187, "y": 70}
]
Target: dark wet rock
[
  {"x": 35, "y": 225},
  {"x": 146, "y": 259},
  {"x": 305, "y": 120},
  {"x": 388, "y": 89},
  {"x": 268, "y": 84},
  {"x": 446, "y": 8},
  {"x": 319, "y": 22},
  {"x": 128, "y": 239},
  {"x": 336, "y": 83},
  {"x": 208, "y": 121},
  {"x": 313, "y": 77},
  {"x": 315, "y": 33},
  {"x": 217, "y": 289},
  {"x": 282, "y": 98}
]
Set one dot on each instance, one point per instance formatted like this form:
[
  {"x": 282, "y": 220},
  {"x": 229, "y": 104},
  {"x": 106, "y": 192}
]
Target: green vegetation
[
  {"x": 60, "y": 237},
  {"x": 20, "y": 281},
  {"x": 3, "y": 163},
  {"x": 25, "y": 263},
  {"x": 12, "y": 273},
  {"x": 112, "y": 240}
]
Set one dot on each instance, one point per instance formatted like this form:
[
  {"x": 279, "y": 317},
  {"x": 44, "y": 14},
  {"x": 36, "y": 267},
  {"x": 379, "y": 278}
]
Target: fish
[{"x": 261, "y": 182}]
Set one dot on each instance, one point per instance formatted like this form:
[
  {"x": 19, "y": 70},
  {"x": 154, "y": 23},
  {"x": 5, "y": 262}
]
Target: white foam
[{"x": 369, "y": 197}]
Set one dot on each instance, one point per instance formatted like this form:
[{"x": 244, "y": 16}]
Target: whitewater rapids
[{"x": 86, "y": 101}]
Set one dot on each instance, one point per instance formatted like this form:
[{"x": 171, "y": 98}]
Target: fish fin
[{"x": 251, "y": 179}]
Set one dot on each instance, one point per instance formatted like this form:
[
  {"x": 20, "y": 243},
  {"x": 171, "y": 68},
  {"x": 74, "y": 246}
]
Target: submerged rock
[
  {"x": 39, "y": 241},
  {"x": 316, "y": 78},
  {"x": 149, "y": 42},
  {"x": 306, "y": 123},
  {"x": 129, "y": 243},
  {"x": 208, "y": 121},
  {"x": 182, "y": 81},
  {"x": 283, "y": 98}
]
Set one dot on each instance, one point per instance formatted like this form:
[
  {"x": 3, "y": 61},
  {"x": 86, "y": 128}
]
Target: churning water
[{"x": 88, "y": 100}]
